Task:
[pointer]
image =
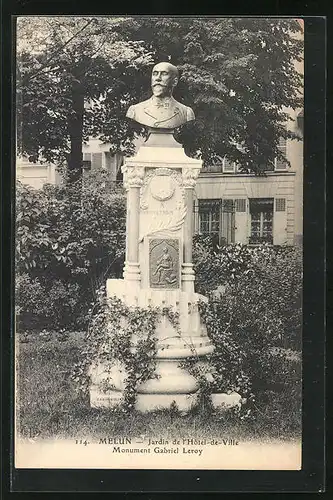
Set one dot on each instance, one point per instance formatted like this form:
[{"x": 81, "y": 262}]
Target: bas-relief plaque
[{"x": 164, "y": 263}]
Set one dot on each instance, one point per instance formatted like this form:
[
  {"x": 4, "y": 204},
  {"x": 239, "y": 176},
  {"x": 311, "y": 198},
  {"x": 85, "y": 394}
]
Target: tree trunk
[{"x": 75, "y": 128}]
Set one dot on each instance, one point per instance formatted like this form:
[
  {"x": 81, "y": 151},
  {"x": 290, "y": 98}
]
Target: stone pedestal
[{"x": 158, "y": 271}]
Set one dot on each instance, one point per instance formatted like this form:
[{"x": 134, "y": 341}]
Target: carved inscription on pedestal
[{"x": 164, "y": 263}]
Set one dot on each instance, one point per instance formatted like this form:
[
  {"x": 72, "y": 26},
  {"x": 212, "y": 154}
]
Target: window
[
  {"x": 281, "y": 164},
  {"x": 229, "y": 167},
  {"x": 228, "y": 206},
  {"x": 209, "y": 216},
  {"x": 95, "y": 159},
  {"x": 261, "y": 212},
  {"x": 216, "y": 218}
]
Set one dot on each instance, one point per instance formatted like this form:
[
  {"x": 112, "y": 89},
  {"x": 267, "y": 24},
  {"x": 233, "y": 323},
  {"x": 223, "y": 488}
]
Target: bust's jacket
[{"x": 149, "y": 114}]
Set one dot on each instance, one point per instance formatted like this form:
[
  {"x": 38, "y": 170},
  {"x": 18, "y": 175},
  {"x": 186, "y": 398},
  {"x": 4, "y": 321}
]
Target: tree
[
  {"x": 237, "y": 74},
  {"x": 64, "y": 66}
]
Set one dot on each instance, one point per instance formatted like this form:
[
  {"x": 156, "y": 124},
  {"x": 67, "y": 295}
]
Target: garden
[
  {"x": 76, "y": 78},
  {"x": 68, "y": 245}
]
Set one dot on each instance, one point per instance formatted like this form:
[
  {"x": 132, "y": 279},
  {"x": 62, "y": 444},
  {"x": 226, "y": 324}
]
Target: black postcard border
[{"x": 311, "y": 478}]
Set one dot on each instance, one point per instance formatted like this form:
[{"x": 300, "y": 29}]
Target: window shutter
[
  {"x": 240, "y": 205},
  {"x": 280, "y": 205},
  {"x": 281, "y": 164},
  {"x": 96, "y": 161},
  {"x": 280, "y": 222},
  {"x": 87, "y": 161},
  {"x": 241, "y": 221}
]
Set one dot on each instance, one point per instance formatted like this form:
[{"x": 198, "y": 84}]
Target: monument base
[
  {"x": 173, "y": 384},
  {"x": 174, "y": 346},
  {"x": 146, "y": 403}
]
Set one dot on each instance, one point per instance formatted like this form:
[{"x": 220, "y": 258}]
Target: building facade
[
  {"x": 229, "y": 205},
  {"x": 238, "y": 207},
  {"x": 36, "y": 174},
  {"x": 98, "y": 159},
  {"x": 233, "y": 206}
]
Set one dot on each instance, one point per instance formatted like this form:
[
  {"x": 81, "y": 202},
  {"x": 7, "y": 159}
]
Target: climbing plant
[{"x": 122, "y": 336}]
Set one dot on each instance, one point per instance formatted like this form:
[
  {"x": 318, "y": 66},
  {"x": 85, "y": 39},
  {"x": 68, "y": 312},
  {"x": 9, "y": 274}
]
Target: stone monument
[{"x": 158, "y": 269}]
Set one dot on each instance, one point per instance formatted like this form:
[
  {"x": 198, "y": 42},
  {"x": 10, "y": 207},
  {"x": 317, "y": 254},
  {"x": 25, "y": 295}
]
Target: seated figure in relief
[
  {"x": 161, "y": 110},
  {"x": 164, "y": 268}
]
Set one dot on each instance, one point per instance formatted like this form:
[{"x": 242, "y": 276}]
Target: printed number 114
[{"x": 81, "y": 441}]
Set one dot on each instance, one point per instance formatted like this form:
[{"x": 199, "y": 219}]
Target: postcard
[{"x": 159, "y": 228}]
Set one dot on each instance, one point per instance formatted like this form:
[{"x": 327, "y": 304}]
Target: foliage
[
  {"x": 238, "y": 74},
  {"x": 254, "y": 319},
  {"x": 124, "y": 337},
  {"x": 254, "y": 325},
  {"x": 65, "y": 64},
  {"x": 262, "y": 286},
  {"x": 49, "y": 406},
  {"x": 66, "y": 246},
  {"x": 247, "y": 357},
  {"x": 40, "y": 306}
]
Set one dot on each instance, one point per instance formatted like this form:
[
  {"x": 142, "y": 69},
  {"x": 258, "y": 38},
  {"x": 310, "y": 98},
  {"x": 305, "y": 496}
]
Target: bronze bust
[{"x": 161, "y": 110}]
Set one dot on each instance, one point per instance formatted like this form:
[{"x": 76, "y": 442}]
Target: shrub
[
  {"x": 264, "y": 287},
  {"x": 68, "y": 242},
  {"x": 40, "y": 306},
  {"x": 255, "y": 326}
]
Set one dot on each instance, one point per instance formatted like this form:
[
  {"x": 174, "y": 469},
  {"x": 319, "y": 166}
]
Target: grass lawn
[{"x": 48, "y": 406}]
